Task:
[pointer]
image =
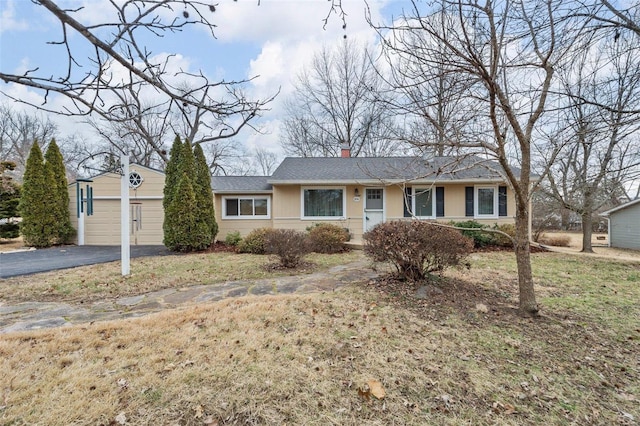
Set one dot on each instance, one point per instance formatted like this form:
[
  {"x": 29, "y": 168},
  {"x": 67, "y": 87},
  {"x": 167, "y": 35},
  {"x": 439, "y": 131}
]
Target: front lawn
[{"x": 371, "y": 354}]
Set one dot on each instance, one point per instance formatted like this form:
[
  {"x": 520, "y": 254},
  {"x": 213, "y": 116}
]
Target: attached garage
[
  {"x": 624, "y": 225},
  {"x": 102, "y": 215}
]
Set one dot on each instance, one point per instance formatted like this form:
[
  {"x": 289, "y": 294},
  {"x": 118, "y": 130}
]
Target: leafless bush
[
  {"x": 416, "y": 248},
  {"x": 288, "y": 245}
]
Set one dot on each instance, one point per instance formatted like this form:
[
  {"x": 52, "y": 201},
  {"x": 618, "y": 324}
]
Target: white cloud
[
  {"x": 8, "y": 20},
  {"x": 288, "y": 33},
  {"x": 289, "y": 47}
]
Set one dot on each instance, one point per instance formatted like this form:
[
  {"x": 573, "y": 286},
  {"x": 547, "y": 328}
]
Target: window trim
[
  {"x": 476, "y": 198},
  {"x": 433, "y": 200},
  {"x": 344, "y": 203},
  {"x": 246, "y": 197}
]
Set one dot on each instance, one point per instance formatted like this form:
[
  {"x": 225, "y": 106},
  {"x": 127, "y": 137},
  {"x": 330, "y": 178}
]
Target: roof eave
[
  {"x": 621, "y": 207},
  {"x": 242, "y": 191},
  {"x": 381, "y": 181}
]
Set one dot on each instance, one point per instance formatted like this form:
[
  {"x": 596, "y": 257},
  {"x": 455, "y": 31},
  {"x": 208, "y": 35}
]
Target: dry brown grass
[
  {"x": 556, "y": 240},
  {"x": 12, "y": 244},
  {"x": 307, "y": 359},
  {"x": 98, "y": 282}
]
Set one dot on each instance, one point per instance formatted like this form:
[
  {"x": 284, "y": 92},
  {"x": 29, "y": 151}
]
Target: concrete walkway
[{"x": 38, "y": 315}]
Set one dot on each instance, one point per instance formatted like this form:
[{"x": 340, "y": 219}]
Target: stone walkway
[{"x": 37, "y": 315}]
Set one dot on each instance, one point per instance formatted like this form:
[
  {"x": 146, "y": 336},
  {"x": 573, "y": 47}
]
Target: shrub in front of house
[
  {"x": 416, "y": 248},
  {"x": 288, "y": 245},
  {"x": 254, "y": 242},
  {"x": 233, "y": 238},
  {"x": 327, "y": 238},
  {"x": 480, "y": 238},
  {"x": 503, "y": 240}
]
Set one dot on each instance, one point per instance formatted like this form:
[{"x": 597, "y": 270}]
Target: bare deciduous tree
[
  {"x": 264, "y": 161},
  {"x": 123, "y": 81},
  {"x": 508, "y": 51},
  {"x": 430, "y": 102},
  {"x": 18, "y": 131},
  {"x": 338, "y": 100},
  {"x": 600, "y": 143}
]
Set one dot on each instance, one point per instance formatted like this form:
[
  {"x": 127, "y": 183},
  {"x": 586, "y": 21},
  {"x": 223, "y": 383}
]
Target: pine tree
[
  {"x": 185, "y": 231},
  {"x": 60, "y": 209},
  {"x": 204, "y": 195},
  {"x": 38, "y": 226}
]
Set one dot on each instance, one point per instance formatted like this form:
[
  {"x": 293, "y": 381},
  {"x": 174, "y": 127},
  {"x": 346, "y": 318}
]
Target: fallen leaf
[
  {"x": 199, "y": 411},
  {"x": 482, "y": 308},
  {"x": 121, "y": 419},
  {"x": 376, "y": 389},
  {"x": 364, "y": 393}
]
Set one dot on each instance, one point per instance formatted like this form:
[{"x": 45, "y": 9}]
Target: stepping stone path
[{"x": 38, "y": 315}]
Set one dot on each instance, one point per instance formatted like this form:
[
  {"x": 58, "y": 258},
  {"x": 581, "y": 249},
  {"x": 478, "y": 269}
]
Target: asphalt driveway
[{"x": 50, "y": 259}]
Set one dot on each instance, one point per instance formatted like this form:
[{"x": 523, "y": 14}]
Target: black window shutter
[
  {"x": 502, "y": 201},
  {"x": 468, "y": 201},
  {"x": 440, "y": 201},
  {"x": 407, "y": 201}
]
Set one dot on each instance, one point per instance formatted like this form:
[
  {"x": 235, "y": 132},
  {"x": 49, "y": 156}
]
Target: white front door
[{"x": 373, "y": 207}]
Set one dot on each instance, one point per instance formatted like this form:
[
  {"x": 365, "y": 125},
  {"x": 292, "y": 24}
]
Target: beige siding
[
  {"x": 103, "y": 227},
  {"x": 286, "y": 202},
  {"x": 108, "y": 184},
  {"x": 286, "y": 209}
]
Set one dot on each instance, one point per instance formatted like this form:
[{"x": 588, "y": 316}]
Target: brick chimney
[{"x": 345, "y": 150}]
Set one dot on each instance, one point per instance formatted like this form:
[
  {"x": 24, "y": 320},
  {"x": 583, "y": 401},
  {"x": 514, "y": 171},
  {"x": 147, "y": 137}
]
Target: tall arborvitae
[
  {"x": 170, "y": 186},
  {"x": 60, "y": 209},
  {"x": 204, "y": 195},
  {"x": 187, "y": 162},
  {"x": 38, "y": 226},
  {"x": 186, "y": 231},
  {"x": 171, "y": 172}
]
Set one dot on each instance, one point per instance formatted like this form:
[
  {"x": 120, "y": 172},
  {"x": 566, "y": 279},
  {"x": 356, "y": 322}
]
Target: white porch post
[
  {"x": 80, "y": 209},
  {"x": 124, "y": 215}
]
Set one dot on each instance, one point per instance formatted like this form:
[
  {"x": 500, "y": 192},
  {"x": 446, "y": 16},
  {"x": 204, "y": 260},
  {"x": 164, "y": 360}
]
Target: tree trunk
[
  {"x": 528, "y": 305},
  {"x": 587, "y": 230},
  {"x": 565, "y": 217}
]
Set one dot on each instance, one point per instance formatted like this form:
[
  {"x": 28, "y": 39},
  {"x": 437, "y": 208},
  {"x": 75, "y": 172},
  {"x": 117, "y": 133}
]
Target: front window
[
  {"x": 486, "y": 204},
  {"x": 423, "y": 199},
  {"x": 245, "y": 208},
  {"x": 323, "y": 203}
]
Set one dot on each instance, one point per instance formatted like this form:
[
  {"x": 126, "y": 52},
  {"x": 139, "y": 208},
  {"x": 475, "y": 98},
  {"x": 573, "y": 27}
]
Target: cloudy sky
[{"x": 271, "y": 41}]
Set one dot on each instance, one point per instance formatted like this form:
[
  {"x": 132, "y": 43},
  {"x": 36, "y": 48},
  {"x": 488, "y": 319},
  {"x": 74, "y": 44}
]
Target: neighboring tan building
[
  {"x": 624, "y": 225},
  {"x": 146, "y": 214},
  {"x": 355, "y": 193}
]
